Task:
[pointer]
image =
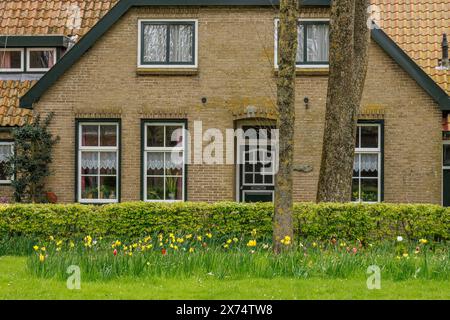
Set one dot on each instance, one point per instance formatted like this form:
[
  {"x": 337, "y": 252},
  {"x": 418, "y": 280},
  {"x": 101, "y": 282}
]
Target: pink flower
[
  {"x": 115, "y": 252},
  {"x": 354, "y": 250}
]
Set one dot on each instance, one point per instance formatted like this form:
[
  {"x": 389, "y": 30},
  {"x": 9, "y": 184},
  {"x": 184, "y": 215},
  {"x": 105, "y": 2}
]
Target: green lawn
[{"x": 17, "y": 283}]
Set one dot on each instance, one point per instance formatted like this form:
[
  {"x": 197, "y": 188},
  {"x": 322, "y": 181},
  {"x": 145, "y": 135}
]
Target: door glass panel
[{"x": 446, "y": 155}]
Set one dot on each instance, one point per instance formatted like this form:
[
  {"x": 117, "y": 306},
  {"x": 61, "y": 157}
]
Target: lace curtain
[
  {"x": 155, "y": 161},
  {"x": 155, "y": 43},
  {"x": 318, "y": 43},
  {"x": 108, "y": 160},
  {"x": 369, "y": 162},
  {"x": 181, "y": 38},
  {"x": 5, "y": 153}
]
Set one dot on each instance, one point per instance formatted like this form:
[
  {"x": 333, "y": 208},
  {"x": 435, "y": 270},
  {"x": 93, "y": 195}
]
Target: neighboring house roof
[
  {"x": 415, "y": 25},
  {"x": 41, "y": 17}
]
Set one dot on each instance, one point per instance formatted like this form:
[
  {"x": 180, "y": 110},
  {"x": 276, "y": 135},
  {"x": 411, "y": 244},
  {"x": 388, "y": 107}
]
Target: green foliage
[
  {"x": 31, "y": 159},
  {"x": 365, "y": 222}
]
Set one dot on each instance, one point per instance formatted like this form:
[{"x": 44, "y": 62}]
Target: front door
[
  {"x": 256, "y": 180},
  {"x": 446, "y": 174}
]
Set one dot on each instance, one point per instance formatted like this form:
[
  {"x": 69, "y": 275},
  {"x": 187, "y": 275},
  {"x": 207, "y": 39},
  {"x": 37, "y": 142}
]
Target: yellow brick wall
[{"x": 235, "y": 70}]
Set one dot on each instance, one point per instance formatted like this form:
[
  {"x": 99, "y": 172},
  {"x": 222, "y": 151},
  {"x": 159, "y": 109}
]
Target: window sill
[
  {"x": 167, "y": 71},
  {"x": 307, "y": 71}
]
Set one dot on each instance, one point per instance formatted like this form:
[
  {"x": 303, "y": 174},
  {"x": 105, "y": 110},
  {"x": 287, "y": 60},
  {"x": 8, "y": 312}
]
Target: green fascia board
[
  {"x": 406, "y": 63},
  {"x": 12, "y": 41}
]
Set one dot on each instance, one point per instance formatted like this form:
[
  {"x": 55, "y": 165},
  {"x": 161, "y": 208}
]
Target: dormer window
[
  {"x": 40, "y": 59},
  {"x": 11, "y": 60}
]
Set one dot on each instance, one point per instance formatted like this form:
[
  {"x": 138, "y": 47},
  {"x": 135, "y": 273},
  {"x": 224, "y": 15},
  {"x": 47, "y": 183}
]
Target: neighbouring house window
[
  {"x": 6, "y": 151},
  {"x": 98, "y": 162},
  {"x": 40, "y": 59},
  {"x": 164, "y": 162},
  {"x": 367, "y": 166},
  {"x": 168, "y": 43},
  {"x": 11, "y": 60},
  {"x": 313, "y": 43}
]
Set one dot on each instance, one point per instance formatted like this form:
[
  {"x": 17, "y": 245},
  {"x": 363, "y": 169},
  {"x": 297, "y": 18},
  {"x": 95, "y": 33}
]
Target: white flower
[{"x": 399, "y": 238}]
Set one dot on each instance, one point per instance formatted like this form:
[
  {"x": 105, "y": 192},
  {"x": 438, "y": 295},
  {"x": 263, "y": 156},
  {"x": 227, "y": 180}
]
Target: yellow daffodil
[
  {"x": 58, "y": 249},
  {"x": 235, "y": 240},
  {"x": 149, "y": 246},
  {"x": 286, "y": 240},
  {"x": 130, "y": 253},
  {"x": 59, "y": 243},
  {"x": 171, "y": 245},
  {"x": 180, "y": 240},
  {"x": 189, "y": 236},
  {"x": 314, "y": 244},
  {"x": 160, "y": 244},
  {"x": 175, "y": 247},
  {"x": 43, "y": 249},
  {"x": 36, "y": 248},
  {"x": 71, "y": 244},
  {"x": 117, "y": 243},
  {"x": 135, "y": 245},
  {"x": 405, "y": 255},
  {"x": 251, "y": 243},
  {"x": 226, "y": 245},
  {"x": 229, "y": 241},
  {"x": 191, "y": 250},
  {"x": 41, "y": 258},
  {"x": 209, "y": 235},
  {"x": 253, "y": 233},
  {"x": 423, "y": 241},
  {"x": 51, "y": 238},
  {"x": 199, "y": 238},
  {"x": 147, "y": 239}
]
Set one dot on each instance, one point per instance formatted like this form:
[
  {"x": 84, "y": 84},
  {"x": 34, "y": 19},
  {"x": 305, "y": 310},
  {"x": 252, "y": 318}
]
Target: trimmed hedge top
[{"x": 369, "y": 222}]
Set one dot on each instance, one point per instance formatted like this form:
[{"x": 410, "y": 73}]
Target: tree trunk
[
  {"x": 349, "y": 42},
  {"x": 287, "y": 48}
]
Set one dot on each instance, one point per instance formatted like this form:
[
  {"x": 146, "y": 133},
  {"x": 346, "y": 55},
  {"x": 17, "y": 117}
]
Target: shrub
[{"x": 365, "y": 222}]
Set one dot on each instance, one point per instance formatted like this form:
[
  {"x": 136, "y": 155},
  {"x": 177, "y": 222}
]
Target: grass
[
  {"x": 17, "y": 283},
  {"x": 177, "y": 258}
]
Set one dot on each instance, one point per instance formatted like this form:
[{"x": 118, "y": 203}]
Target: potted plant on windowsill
[{"x": 171, "y": 185}]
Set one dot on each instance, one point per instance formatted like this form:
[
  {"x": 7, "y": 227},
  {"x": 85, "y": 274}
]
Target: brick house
[{"x": 122, "y": 76}]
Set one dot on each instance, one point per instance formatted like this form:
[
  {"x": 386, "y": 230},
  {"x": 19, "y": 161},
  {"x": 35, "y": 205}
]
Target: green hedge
[{"x": 369, "y": 222}]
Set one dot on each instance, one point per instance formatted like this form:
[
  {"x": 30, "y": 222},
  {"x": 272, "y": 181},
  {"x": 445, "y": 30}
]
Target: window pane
[
  {"x": 89, "y": 136},
  {"x": 174, "y": 188},
  {"x": 357, "y": 137},
  {"x": 318, "y": 42},
  {"x": 155, "y": 43},
  {"x": 44, "y": 59},
  {"x": 155, "y": 163},
  {"x": 155, "y": 136},
  {"x": 446, "y": 154},
  {"x": 355, "y": 190},
  {"x": 108, "y": 188},
  {"x": 89, "y": 188},
  {"x": 155, "y": 188},
  {"x": 174, "y": 136},
  {"x": 181, "y": 43},
  {"x": 369, "y": 190},
  {"x": 356, "y": 166},
  {"x": 108, "y": 136},
  {"x": 300, "y": 37},
  {"x": 108, "y": 163},
  {"x": 369, "y": 165},
  {"x": 174, "y": 163},
  {"x": 89, "y": 162},
  {"x": 10, "y": 59},
  {"x": 5, "y": 153},
  {"x": 369, "y": 136}
]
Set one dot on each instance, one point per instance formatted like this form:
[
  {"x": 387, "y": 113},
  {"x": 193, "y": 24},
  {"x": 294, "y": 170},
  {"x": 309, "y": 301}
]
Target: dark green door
[{"x": 446, "y": 188}]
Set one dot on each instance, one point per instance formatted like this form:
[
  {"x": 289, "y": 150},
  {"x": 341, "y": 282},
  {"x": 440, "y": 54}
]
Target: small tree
[{"x": 31, "y": 158}]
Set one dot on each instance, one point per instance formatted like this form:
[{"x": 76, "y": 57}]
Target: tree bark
[
  {"x": 287, "y": 48},
  {"x": 349, "y": 42}
]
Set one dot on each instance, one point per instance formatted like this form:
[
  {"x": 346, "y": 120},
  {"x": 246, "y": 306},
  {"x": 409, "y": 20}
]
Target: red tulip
[
  {"x": 164, "y": 251},
  {"x": 115, "y": 252}
]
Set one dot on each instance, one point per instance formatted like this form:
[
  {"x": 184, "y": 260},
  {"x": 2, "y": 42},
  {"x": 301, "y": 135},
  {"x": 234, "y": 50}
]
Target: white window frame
[
  {"x": 298, "y": 66},
  {"x": 164, "y": 149},
  {"x": 29, "y": 50},
  {"x": 22, "y": 60},
  {"x": 11, "y": 144},
  {"x": 378, "y": 151},
  {"x": 168, "y": 66},
  {"x": 98, "y": 149}
]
